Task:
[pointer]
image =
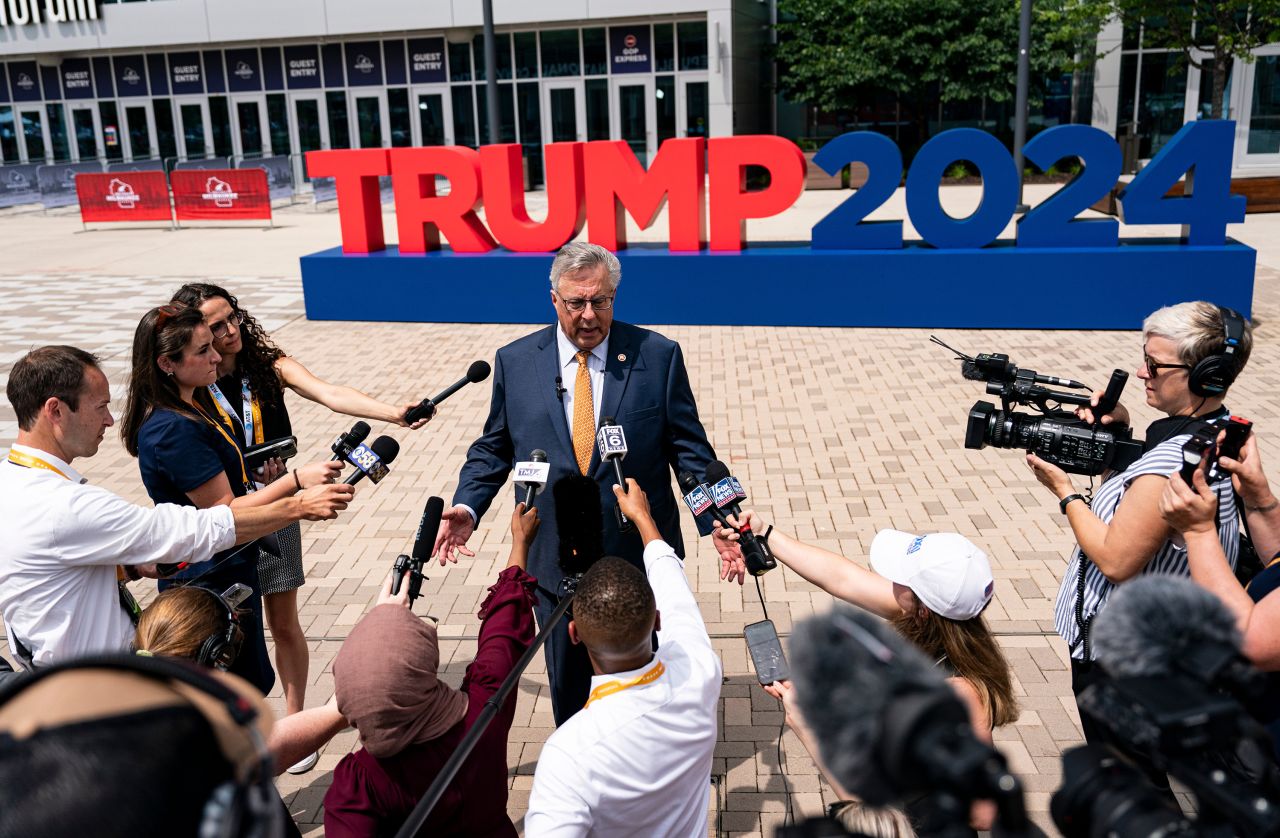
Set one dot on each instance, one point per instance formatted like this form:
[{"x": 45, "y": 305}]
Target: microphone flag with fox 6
[
  {"x": 342, "y": 446},
  {"x": 532, "y": 475},
  {"x": 372, "y": 461},
  {"x": 220, "y": 194},
  {"x": 725, "y": 492},
  {"x": 579, "y": 523},
  {"x": 888, "y": 724},
  {"x": 477, "y": 372}
]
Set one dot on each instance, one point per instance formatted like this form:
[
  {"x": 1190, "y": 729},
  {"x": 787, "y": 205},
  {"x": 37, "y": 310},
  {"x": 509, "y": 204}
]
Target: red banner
[
  {"x": 123, "y": 196},
  {"x": 220, "y": 194}
]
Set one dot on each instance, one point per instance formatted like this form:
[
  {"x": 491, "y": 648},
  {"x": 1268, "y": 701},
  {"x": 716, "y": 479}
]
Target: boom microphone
[
  {"x": 345, "y": 442},
  {"x": 888, "y": 725},
  {"x": 477, "y": 372},
  {"x": 725, "y": 493},
  {"x": 532, "y": 475},
  {"x": 372, "y": 461}
]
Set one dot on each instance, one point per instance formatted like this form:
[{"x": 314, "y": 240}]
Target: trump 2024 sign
[{"x": 1059, "y": 271}]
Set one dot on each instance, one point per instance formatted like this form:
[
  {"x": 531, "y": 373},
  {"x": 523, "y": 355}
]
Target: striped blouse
[{"x": 1171, "y": 558}]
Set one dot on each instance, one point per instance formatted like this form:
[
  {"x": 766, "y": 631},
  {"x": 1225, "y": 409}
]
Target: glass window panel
[
  {"x": 697, "y": 111},
  {"x": 564, "y": 115},
  {"x": 139, "y": 132},
  {"x": 664, "y": 47},
  {"x": 110, "y": 119},
  {"x": 166, "y": 135},
  {"x": 631, "y": 118},
  {"x": 369, "y": 121},
  {"x": 595, "y": 57},
  {"x": 82, "y": 125},
  {"x": 278, "y": 122},
  {"x": 431, "y": 118},
  {"x": 459, "y": 62},
  {"x": 193, "y": 131},
  {"x": 664, "y": 93},
  {"x": 250, "y": 122},
  {"x": 400, "y": 118},
  {"x": 526, "y": 44},
  {"x": 58, "y": 133},
  {"x": 1161, "y": 101},
  {"x": 597, "y": 95},
  {"x": 464, "y": 116},
  {"x": 692, "y": 36},
  {"x": 1264, "y": 119},
  {"x": 502, "y": 55},
  {"x": 220, "y": 126},
  {"x": 506, "y": 113},
  {"x": 529, "y": 115},
  {"x": 8, "y": 136},
  {"x": 310, "y": 137},
  {"x": 1205, "y": 104},
  {"x": 339, "y": 132},
  {"x": 560, "y": 52}
]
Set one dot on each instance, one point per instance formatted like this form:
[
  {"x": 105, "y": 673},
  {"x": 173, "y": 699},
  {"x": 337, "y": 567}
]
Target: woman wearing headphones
[{"x": 1191, "y": 354}]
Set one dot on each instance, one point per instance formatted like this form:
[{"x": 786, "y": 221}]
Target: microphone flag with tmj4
[{"x": 532, "y": 475}]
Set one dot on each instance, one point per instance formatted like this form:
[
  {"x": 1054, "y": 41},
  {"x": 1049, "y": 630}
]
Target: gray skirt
[{"x": 282, "y": 572}]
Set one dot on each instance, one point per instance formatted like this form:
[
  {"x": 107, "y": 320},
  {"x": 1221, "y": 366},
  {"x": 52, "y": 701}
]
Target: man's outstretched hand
[{"x": 456, "y": 527}]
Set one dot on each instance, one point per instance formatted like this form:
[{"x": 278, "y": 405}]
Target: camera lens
[{"x": 1101, "y": 795}]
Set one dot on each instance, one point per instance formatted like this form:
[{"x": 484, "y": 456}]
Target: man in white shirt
[
  {"x": 59, "y": 591},
  {"x": 636, "y": 760}
]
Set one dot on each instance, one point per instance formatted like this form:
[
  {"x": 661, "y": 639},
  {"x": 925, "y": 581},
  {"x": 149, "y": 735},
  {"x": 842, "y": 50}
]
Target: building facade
[{"x": 193, "y": 79}]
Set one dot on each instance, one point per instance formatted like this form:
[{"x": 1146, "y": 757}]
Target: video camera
[{"x": 1056, "y": 435}]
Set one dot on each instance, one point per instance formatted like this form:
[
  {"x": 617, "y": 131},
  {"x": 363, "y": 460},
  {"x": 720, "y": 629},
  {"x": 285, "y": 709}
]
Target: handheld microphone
[
  {"x": 372, "y": 461},
  {"x": 423, "y": 542},
  {"x": 342, "y": 446},
  {"x": 477, "y": 372},
  {"x": 613, "y": 447},
  {"x": 725, "y": 492},
  {"x": 532, "y": 475},
  {"x": 887, "y": 723},
  {"x": 698, "y": 498}
]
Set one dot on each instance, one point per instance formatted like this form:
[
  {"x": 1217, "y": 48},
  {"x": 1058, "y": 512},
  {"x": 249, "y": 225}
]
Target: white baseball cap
[{"x": 946, "y": 571}]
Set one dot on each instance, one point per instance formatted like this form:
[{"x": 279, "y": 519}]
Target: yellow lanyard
[
  {"x": 610, "y": 687},
  {"x": 218, "y": 427},
  {"x": 22, "y": 458},
  {"x": 252, "y": 411}
]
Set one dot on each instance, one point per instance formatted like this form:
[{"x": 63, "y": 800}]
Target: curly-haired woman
[{"x": 249, "y": 393}]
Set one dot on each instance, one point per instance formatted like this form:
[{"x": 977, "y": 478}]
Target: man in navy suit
[{"x": 545, "y": 397}]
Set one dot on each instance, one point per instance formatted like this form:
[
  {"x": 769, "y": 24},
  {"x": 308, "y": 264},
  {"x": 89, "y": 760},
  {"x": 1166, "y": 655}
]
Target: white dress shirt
[
  {"x": 638, "y": 761},
  {"x": 569, "y": 374},
  {"x": 62, "y": 541}
]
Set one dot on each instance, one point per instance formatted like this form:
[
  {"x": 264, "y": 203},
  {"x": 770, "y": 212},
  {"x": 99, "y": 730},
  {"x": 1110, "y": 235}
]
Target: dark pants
[{"x": 252, "y": 663}]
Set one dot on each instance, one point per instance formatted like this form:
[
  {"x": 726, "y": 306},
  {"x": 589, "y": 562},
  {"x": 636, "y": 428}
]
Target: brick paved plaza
[{"x": 836, "y": 433}]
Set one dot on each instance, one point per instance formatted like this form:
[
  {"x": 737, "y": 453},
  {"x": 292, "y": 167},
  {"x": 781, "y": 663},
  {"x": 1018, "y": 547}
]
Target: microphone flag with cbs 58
[{"x": 372, "y": 461}]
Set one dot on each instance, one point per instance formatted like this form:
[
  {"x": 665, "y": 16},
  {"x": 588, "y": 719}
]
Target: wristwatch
[{"x": 1062, "y": 504}]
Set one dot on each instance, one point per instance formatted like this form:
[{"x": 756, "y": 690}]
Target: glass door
[
  {"x": 634, "y": 117},
  {"x": 693, "y": 117},
  {"x": 84, "y": 127},
  {"x": 308, "y": 129},
  {"x": 372, "y": 128},
  {"x": 195, "y": 128},
  {"x": 249, "y": 126},
  {"x": 434, "y": 123},
  {"x": 140, "y": 131},
  {"x": 35, "y": 137},
  {"x": 564, "y": 119}
]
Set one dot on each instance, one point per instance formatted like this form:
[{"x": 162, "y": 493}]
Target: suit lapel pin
[{"x": 622, "y": 358}]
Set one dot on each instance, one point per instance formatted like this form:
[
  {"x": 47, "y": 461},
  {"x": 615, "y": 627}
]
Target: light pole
[
  {"x": 490, "y": 73},
  {"x": 1020, "y": 102}
]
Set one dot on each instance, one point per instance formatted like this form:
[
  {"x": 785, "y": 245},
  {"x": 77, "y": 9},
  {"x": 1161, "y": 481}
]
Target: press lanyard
[
  {"x": 250, "y": 410},
  {"x": 248, "y": 484},
  {"x": 610, "y": 687},
  {"x": 127, "y": 601}
]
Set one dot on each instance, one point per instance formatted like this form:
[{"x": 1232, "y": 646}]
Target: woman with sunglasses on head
[
  {"x": 249, "y": 394},
  {"x": 1192, "y": 352},
  {"x": 188, "y": 456}
]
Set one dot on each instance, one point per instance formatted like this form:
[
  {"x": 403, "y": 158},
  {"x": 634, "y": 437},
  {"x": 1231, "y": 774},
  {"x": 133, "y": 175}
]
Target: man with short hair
[
  {"x": 636, "y": 760},
  {"x": 551, "y": 391},
  {"x": 60, "y": 594}
]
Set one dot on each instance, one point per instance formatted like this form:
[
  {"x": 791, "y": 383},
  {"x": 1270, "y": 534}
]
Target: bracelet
[
  {"x": 296, "y": 481},
  {"x": 1268, "y": 508},
  {"x": 764, "y": 536},
  {"x": 1062, "y": 504}
]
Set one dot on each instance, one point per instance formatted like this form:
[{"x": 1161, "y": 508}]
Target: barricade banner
[
  {"x": 123, "y": 196},
  {"x": 220, "y": 194},
  {"x": 207, "y": 163},
  {"x": 18, "y": 185},
  {"x": 58, "y": 182},
  {"x": 137, "y": 166},
  {"x": 279, "y": 171}
]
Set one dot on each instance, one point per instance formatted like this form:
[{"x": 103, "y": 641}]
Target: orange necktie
[{"x": 584, "y": 415}]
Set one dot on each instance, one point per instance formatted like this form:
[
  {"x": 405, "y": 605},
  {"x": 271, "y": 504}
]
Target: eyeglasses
[
  {"x": 220, "y": 328},
  {"x": 578, "y": 304},
  {"x": 1153, "y": 369}
]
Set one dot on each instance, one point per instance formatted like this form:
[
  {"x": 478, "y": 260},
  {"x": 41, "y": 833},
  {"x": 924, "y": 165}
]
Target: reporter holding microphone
[{"x": 189, "y": 457}]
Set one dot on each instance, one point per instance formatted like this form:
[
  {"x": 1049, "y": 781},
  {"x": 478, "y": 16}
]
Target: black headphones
[
  {"x": 1214, "y": 373},
  {"x": 249, "y": 808},
  {"x": 219, "y": 650}
]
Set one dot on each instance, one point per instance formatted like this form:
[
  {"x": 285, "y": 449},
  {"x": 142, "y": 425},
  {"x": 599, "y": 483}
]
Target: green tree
[{"x": 1203, "y": 30}]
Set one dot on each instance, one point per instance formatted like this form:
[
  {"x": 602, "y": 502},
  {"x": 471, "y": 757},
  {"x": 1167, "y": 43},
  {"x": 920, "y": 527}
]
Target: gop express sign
[{"x": 1070, "y": 271}]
